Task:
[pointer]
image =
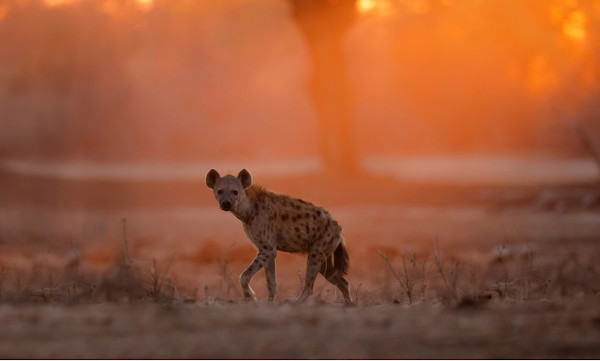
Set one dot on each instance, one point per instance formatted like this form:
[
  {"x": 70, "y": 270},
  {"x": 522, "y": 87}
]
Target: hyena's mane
[{"x": 255, "y": 191}]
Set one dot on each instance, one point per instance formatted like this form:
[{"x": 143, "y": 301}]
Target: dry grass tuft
[
  {"x": 514, "y": 273},
  {"x": 511, "y": 275}
]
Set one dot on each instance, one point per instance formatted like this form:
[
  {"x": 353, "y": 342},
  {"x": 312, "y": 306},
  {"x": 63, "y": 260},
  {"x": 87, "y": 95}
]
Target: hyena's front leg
[
  {"x": 271, "y": 283},
  {"x": 263, "y": 257}
]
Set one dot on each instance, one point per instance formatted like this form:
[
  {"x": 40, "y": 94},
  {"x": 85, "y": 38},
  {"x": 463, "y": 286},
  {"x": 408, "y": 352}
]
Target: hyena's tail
[{"x": 341, "y": 259}]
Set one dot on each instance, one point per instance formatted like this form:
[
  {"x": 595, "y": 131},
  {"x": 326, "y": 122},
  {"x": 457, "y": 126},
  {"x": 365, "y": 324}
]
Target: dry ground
[
  {"x": 536, "y": 329},
  {"x": 437, "y": 272}
]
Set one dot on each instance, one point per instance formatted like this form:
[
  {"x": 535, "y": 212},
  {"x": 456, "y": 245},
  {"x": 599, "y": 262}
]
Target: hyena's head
[{"x": 229, "y": 189}]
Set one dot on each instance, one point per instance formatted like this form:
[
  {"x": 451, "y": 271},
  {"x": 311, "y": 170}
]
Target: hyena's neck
[
  {"x": 244, "y": 210},
  {"x": 247, "y": 205}
]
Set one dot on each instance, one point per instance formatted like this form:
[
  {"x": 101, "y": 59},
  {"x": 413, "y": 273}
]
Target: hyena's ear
[
  {"x": 211, "y": 178},
  {"x": 245, "y": 177}
]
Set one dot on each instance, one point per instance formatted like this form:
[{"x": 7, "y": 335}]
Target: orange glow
[
  {"x": 3, "y": 11},
  {"x": 441, "y": 74},
  {"x": 110, "y": 7},
  {"x": 541, "y": 77},
  {"x": 366, "y": 6},
  {"x": 557, "y": 13},
  {"x": 419, "y": 6},
  {"x": 571, "y": 3},
  {"x": 145, "y": 5},
  {"x": 574, "y": 25},
  {"x": 52, "y": 3},
  {"x": 374, "y": 7}
]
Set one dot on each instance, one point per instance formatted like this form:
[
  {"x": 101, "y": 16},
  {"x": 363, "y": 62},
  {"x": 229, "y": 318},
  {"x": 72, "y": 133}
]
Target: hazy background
[
  {"x": 458, "y": 125},
  {"x": 182, "y": 80}
]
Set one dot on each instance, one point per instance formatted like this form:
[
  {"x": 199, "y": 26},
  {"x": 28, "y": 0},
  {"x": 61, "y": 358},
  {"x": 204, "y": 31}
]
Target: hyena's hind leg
[
  {"x": 316, "y": 258},
  {"x": 336, "y": 278}
]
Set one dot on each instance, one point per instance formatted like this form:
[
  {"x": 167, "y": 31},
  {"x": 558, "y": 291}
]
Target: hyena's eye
[
  {"x": 220, "y": 191},
  {"x": 235, "y": 193}
]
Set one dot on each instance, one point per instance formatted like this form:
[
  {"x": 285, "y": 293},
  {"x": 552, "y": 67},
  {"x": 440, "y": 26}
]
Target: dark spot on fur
[
  {"x": 284, "y": 217},
  {"x": 299, "y": 216},
  {"x": 307, "y": 229},
  {"x": 319, "y": 213},
  {"x": 293, "y": 219},
  {"x": 297, "y": 207},
  {"x": 296, "y": 229},
  {"x": 307, "y": 215}
]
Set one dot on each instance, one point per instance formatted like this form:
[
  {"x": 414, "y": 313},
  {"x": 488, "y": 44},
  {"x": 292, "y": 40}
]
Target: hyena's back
[{"x": 297, "y": 225}]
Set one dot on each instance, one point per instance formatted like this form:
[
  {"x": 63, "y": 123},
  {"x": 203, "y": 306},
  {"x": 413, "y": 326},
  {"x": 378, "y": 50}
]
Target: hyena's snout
[
  {"x": 225, "y": 205},
  {"x": 226, "y": 201}
]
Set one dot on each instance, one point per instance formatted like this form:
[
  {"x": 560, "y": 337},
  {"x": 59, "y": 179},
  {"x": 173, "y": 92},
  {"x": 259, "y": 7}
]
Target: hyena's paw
[
  {"x": 249, "y": 298},
  {"x": 249, "y": 295},
  {"x": 349, "y": 303}
]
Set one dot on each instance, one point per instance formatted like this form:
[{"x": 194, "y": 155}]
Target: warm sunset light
[
  {"x": 541, "y": 77},
  {"x": 574, "y": 25},
  {"x": 145, "y": 4},
  {"x": 419, "y": 6},
  {"x": 3, "y": 11},
  {"x": 374, "y": 7},
  {"x": 365, "y": 6},
  {"x": 110, "y": 7},
  {"x": 407, "y": 60},
  {"x": 433, "y": 162},
  {"x": 52, "y": 3}
]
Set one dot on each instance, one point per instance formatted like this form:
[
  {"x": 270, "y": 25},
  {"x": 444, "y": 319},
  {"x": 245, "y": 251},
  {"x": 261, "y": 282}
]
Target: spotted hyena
[{"x": 273, "y": 222}]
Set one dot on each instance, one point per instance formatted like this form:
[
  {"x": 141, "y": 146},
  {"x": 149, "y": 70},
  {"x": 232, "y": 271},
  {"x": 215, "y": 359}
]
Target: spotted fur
[{"x": 277, "y": 222}]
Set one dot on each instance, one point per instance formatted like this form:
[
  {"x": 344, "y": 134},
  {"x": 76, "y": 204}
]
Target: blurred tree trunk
[{"x": 324, "y": 24}]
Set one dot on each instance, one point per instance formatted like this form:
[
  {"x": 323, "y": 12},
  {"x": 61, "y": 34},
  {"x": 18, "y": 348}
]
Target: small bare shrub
[
  {"x": 121, "y": 283},
  {"x": 226, "y": 284},
  {"x": 413, "y": 271},
  {"x": 449, "y": 275},
  {"x": 161, "y": 288}
]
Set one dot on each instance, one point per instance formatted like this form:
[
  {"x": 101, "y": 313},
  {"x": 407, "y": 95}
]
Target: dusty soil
[
  {"x": 493, "y": 272},
  {"x": 541, "y": 329}
]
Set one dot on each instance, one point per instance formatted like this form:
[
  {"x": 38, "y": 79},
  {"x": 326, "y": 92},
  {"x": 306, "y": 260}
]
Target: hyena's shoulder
[
  {"x": 265, "y": 204},
  {"x": 282, "y": 206}
]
